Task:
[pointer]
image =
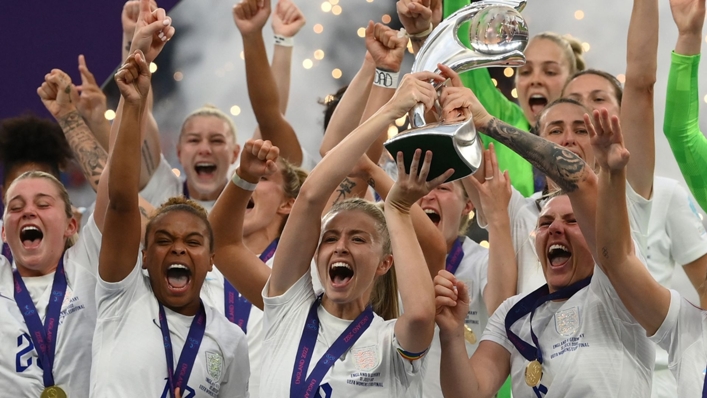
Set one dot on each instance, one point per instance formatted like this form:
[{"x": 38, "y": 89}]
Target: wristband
[
  {"x": 422, "y": 34},
  {"x": 386, "y": 79},
  {"x": 284, "y": 41},
  {"x": 243, "y": 184}
]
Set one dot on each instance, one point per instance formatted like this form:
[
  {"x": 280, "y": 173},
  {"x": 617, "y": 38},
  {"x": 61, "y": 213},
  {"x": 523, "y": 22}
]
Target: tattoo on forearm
[
  {"x": 605, "y": 252},
  {"x": 561, "y": 165},
  {"x": 143, "y": 212},
  {"x": 147, "y": 158},
  {"x": 67, "y": 90},
  {"x": 344, "y": 189},
  {"x": 127, "y": 45},
  {"x": 371, "y": 183},
  {"x": 90, "y": 155}
]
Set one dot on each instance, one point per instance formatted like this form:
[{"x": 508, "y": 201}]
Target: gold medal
[
  {"x": 533, "y": 373},
  {"x": 469, "y": 335},
  {"x": 53, "y": 392}
]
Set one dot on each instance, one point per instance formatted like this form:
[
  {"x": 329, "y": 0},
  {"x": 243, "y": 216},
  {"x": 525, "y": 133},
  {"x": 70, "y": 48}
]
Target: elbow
[{"x": 643, "y": 81}]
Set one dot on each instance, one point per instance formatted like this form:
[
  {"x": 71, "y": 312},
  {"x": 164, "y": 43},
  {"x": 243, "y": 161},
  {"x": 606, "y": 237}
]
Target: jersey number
[{"x": 26, "y": 354}]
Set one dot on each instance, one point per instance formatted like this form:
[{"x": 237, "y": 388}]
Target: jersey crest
[
  {"x": 214, "y": 365},
  {"x": 366, "y": 358},
  {"x": 567, "y": 322}
]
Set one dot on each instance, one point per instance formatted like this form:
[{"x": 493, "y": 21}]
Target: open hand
[
  {"x": 88, "y": 97},
  {"x": 258, "y": 160},
  {"x": 56, "y": 93},
  {"x": 451, "y": 302},
  {"x": 250, "y": 16},
  {"x": 287, "y": 19},
  {"x": 386, "y": 46},
  {"x": 689, "y": 16},
  {"x": 495, "y": 190},
  {"x": 413, "y": 186},
  {"x": 133, "y": 78},
  {"x": 152, "y": 30},
  {"x": 607, "y": 141}
]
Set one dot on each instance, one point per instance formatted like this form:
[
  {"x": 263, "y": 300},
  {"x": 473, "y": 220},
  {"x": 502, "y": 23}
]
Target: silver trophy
[{"x": 498, "y": 35}]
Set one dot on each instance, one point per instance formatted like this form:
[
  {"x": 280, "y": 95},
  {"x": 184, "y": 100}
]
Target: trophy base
[{"x": 448, "y": 150}]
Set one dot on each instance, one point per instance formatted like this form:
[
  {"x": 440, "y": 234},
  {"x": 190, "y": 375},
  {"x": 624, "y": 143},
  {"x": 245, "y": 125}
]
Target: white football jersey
[
  {"x": 683, "y": 334},
  {"x": 371, "y": 368},
  {"x": 129, "y": 358},
  {"x": 473, "y": 272},
  {"x": 591, "y": 346},
  {"x": 20, "y": 371},
  {"x": 212, "y": 293},
  {"x": 164, "y": 184}
]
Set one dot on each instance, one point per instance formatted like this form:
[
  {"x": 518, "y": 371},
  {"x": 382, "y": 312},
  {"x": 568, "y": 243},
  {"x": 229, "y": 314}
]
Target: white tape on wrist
[
  {"x": 243, "y": 184},
  {"x": 422, "y": 34},
  {"x": 284, "y": 41},
  {"x": 386, "y": 79}
]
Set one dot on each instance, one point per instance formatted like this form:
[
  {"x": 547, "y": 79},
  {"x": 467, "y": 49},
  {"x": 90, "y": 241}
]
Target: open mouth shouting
[
  {"x": 340, "y": 274},
  {"x": 205, "y": 170},
  {"x": 537, "y": 103},
  {"x": 434, "y": 216},
  {"x": 178, "y": 278},
  {"x": 31, "y": 236},
  {"x": 558, "y": 255}
]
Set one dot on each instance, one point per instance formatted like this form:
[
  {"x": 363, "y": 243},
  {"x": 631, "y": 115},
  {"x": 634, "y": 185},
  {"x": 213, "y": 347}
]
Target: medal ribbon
[
  {"x": 455, "y": 256},
  {"x": 524, "y": 307},
  {"x": 237, "y": 307},
  {"x": 299, "y": 387},
  {"x": 43, "y": 336},
  {"x": 185, "y": 190},
  {"x": 180, "y": 378},
  {"x": 7, "y": 252}
]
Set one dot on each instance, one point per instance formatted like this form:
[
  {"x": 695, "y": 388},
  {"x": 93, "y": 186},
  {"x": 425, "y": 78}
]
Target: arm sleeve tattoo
[{"x": 91, "y": 156}]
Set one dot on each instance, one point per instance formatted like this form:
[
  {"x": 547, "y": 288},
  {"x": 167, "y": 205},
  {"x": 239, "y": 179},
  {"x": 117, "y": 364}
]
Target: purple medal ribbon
[
  {"x": 7, "y": 252},
  {"x": 236, "y": 306},
  {"x": 455, "y": 256},
  {"x": 185, "y": 189},
  {"x": 305, "y": 388},
  {"x": 180, "y": 378},
  {"x": 527, "y": 305},
  {"x": 43, "y": 335}
]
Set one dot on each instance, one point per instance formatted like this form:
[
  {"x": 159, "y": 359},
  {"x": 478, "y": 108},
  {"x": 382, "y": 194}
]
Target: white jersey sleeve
[
  {"x": 682, "y": 334},
  {"x": 162, "y": 185},
  {"x": 639, "y": 214},
  {"x": 688, "y": 239}
]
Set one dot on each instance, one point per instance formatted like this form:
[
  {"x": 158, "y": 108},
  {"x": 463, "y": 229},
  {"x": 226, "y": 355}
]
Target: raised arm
[
  {"x": 121, "y": 236},
  {"x": 480, "y": 376},
  {"x": 145, "y": 28},
  {"x": 301, "y": 233},
  {"x": 419, "y": 17},
  {"x": 387, "y": 47},
  {"x": 91, "y": 104},
  {"x": 495, "y": 194},
  {"x": 250, "y": 17},
  {"x": 642, "y": 295},
  {"x": 241, "y": 267},
  {"x": 348, "y": 112},
  {"x": 415, "y": 327},
  {"x": 637, "y": 103},
  {"x": 681, "y": 124}
]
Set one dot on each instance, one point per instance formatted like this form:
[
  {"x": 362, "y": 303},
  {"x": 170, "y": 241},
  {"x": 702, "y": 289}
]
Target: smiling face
[
  {"x": 36, "y": 225},
  {"x": 206, "y": 149},
  {"x": 541, "y": 79},
  {"x": 350, "y": 256},
  {"x": 594, "y": 92},
  {"x": 267, "y": 205},
  {"x": 564, "y": 125},
  {"x": 446, "y": 206},
  {"x": 560, "y": 245},
  {"x": 178, "y": 256}
]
